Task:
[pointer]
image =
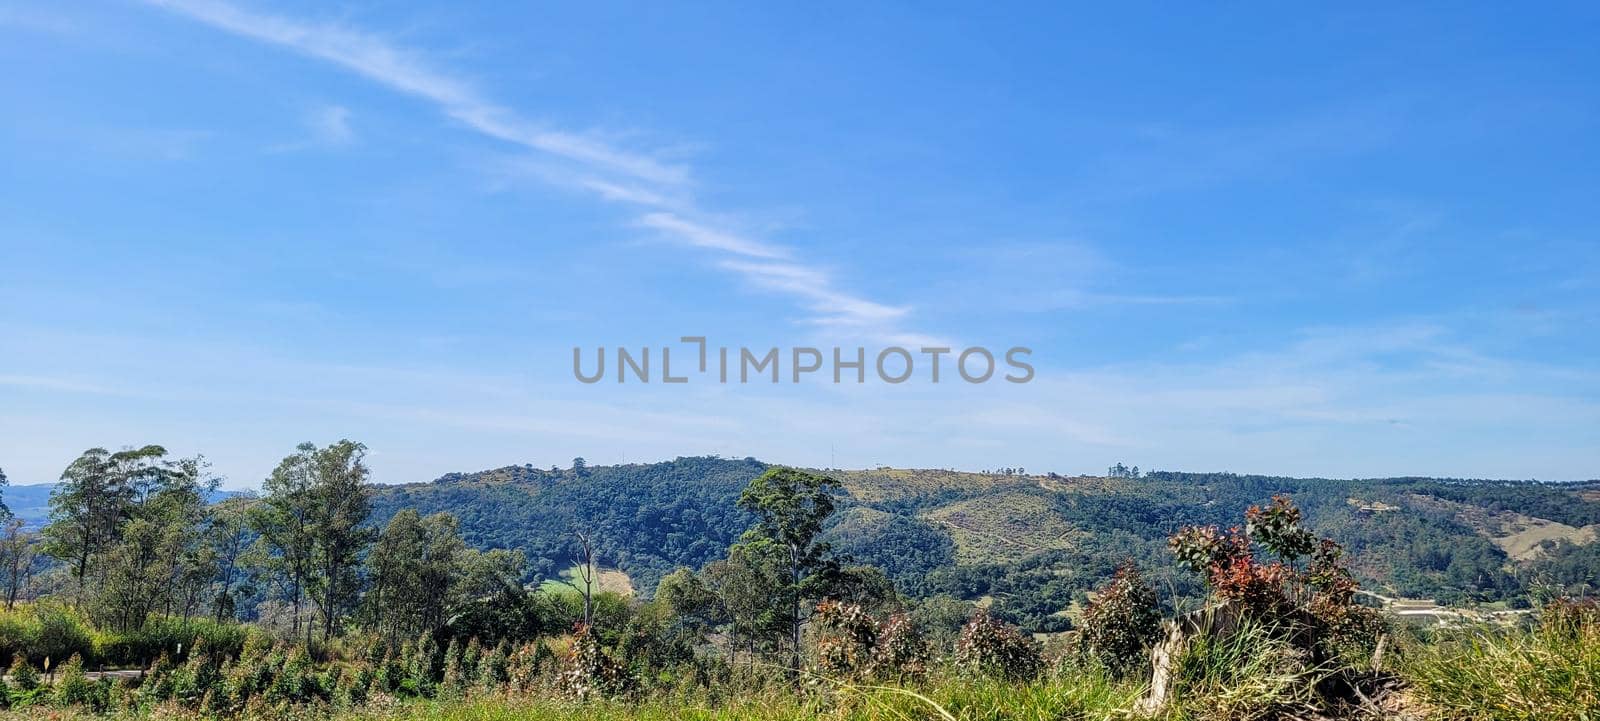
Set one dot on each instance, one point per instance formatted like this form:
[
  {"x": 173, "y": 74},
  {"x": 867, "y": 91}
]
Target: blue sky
[{"x": 1355, "y": 242}]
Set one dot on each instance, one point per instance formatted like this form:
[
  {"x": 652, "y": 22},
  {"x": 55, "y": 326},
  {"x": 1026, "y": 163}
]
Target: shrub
[
  {"x": 992, "y": 648},
  {"x": 60, "y": 633},
  {"x": 24, "y": 677},
  {"x": 25, "y": 686},
  {"x": 74, "y": 688},
  {"x": 175, "y": 637},
  {"x": 216, "y": 701},
  {"x": 13, "y": 636},
  {"x": 1122, "y": 621},
  {"x": 454, "y": 682},
  {"x": 493, "y": 670},
  {"x": 250, "y": 678},
  {"x": 296, "y": 682},
  {"x": 1319, "y": 600},
  {"x": 41, "y": 631},
  {"x": 353, "y": 685},
  {"x": 122, "y": 694},
  {"x": 420, "y": 665},
  {"x": 390, "y": 675},
  {"x": 854, "y": 644},
  {"x": 471, "y": 656},
  {"x": 159, "y": 682},
  {"x": 258, "y": 664},
  {"x": 847, "y": 636},
  {"x": 902, "y": 651},
  {"x": 197, "y": 676},
  {"x": 527, "y": 663},
  {"x": 655, "y": 644},
  {"x": 1297, "y": 618},
  {"x": 222, "y": 693},
  {"x": 1277, "y": 528},
  {"x": 588, "y": 672},
  {"x": 256, "y": 646}
]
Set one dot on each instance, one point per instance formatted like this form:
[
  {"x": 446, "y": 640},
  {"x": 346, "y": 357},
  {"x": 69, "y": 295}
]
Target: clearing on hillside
[
  {"x": 607, "y": 580},
  {"x": 1003, "y": 527}
]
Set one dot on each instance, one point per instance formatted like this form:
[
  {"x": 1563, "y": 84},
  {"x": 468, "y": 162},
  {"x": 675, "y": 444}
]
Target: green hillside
[
  {"x": 1031, "y": 543},
  {"x": 646, "y": 519}
]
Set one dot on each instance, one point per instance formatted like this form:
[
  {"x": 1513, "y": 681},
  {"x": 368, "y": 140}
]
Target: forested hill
[
  {"x": 646, "y": 519},
  {"x": 1033, "y": 544}
]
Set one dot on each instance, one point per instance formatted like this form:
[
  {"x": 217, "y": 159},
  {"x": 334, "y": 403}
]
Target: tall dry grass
[{"x": 1545, "y": 674}]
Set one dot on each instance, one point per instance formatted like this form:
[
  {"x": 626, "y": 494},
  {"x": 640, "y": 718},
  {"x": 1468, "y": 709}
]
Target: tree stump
[{"x": 1221, "y": 619}]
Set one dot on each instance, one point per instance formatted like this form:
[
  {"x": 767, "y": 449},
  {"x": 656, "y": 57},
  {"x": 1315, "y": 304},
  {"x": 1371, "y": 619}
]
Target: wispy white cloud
[
  {"x": 623, "y": 193},
  {"x": 705, "y": 236},
  {"x": 659, "y": 191},
  {"x": 840, "y": 313},
  {"x": 327, "y": 126},
  {"x": 403, "y": 71}
]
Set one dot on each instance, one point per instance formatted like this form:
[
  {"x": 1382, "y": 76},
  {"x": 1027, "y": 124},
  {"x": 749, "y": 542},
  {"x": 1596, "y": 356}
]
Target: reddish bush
[
  {"x": 1308, "y": 587},
  {"x": 852, "y": 643},
  {"x": 1122, "y": 621},
  {"x": 847, "y": 636},
  {"x": 992, "y": 648},
  {"x": 902, "y": 650}
]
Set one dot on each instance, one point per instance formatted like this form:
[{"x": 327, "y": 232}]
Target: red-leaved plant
[
  {"x": 1306, "y": 584},
  {"x": 853, "y": 644},
  {"x": 990, "y": 647},
  {"x": 1121, "y": 622}
]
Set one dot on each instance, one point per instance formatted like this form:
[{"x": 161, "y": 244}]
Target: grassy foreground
[
  {"x": 1548, "y": 673},
  {"x": 1079, "y": 698},
  {"x": 1088, "y": 696}
]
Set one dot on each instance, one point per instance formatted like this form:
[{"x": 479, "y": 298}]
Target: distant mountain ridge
[
  {"x": 1033, "y": 545},
  {"x": 31, "y": 502}
]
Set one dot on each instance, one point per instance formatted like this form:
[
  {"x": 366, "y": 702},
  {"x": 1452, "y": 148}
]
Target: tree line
[{"x": 133, "y": 539}]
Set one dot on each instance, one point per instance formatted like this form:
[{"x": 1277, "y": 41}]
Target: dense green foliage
[
  {"x": 43, "y": 631},
  {"x": 975, "y": 535},
  {"x": 1035, "y": 545},
  {"x": 646, "y": 519}
]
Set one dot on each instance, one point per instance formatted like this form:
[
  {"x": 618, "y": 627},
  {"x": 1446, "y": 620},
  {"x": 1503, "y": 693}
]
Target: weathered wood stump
[
  {"x": 1223, "y": 620},
  {"x": 1220, "y": 620}
]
